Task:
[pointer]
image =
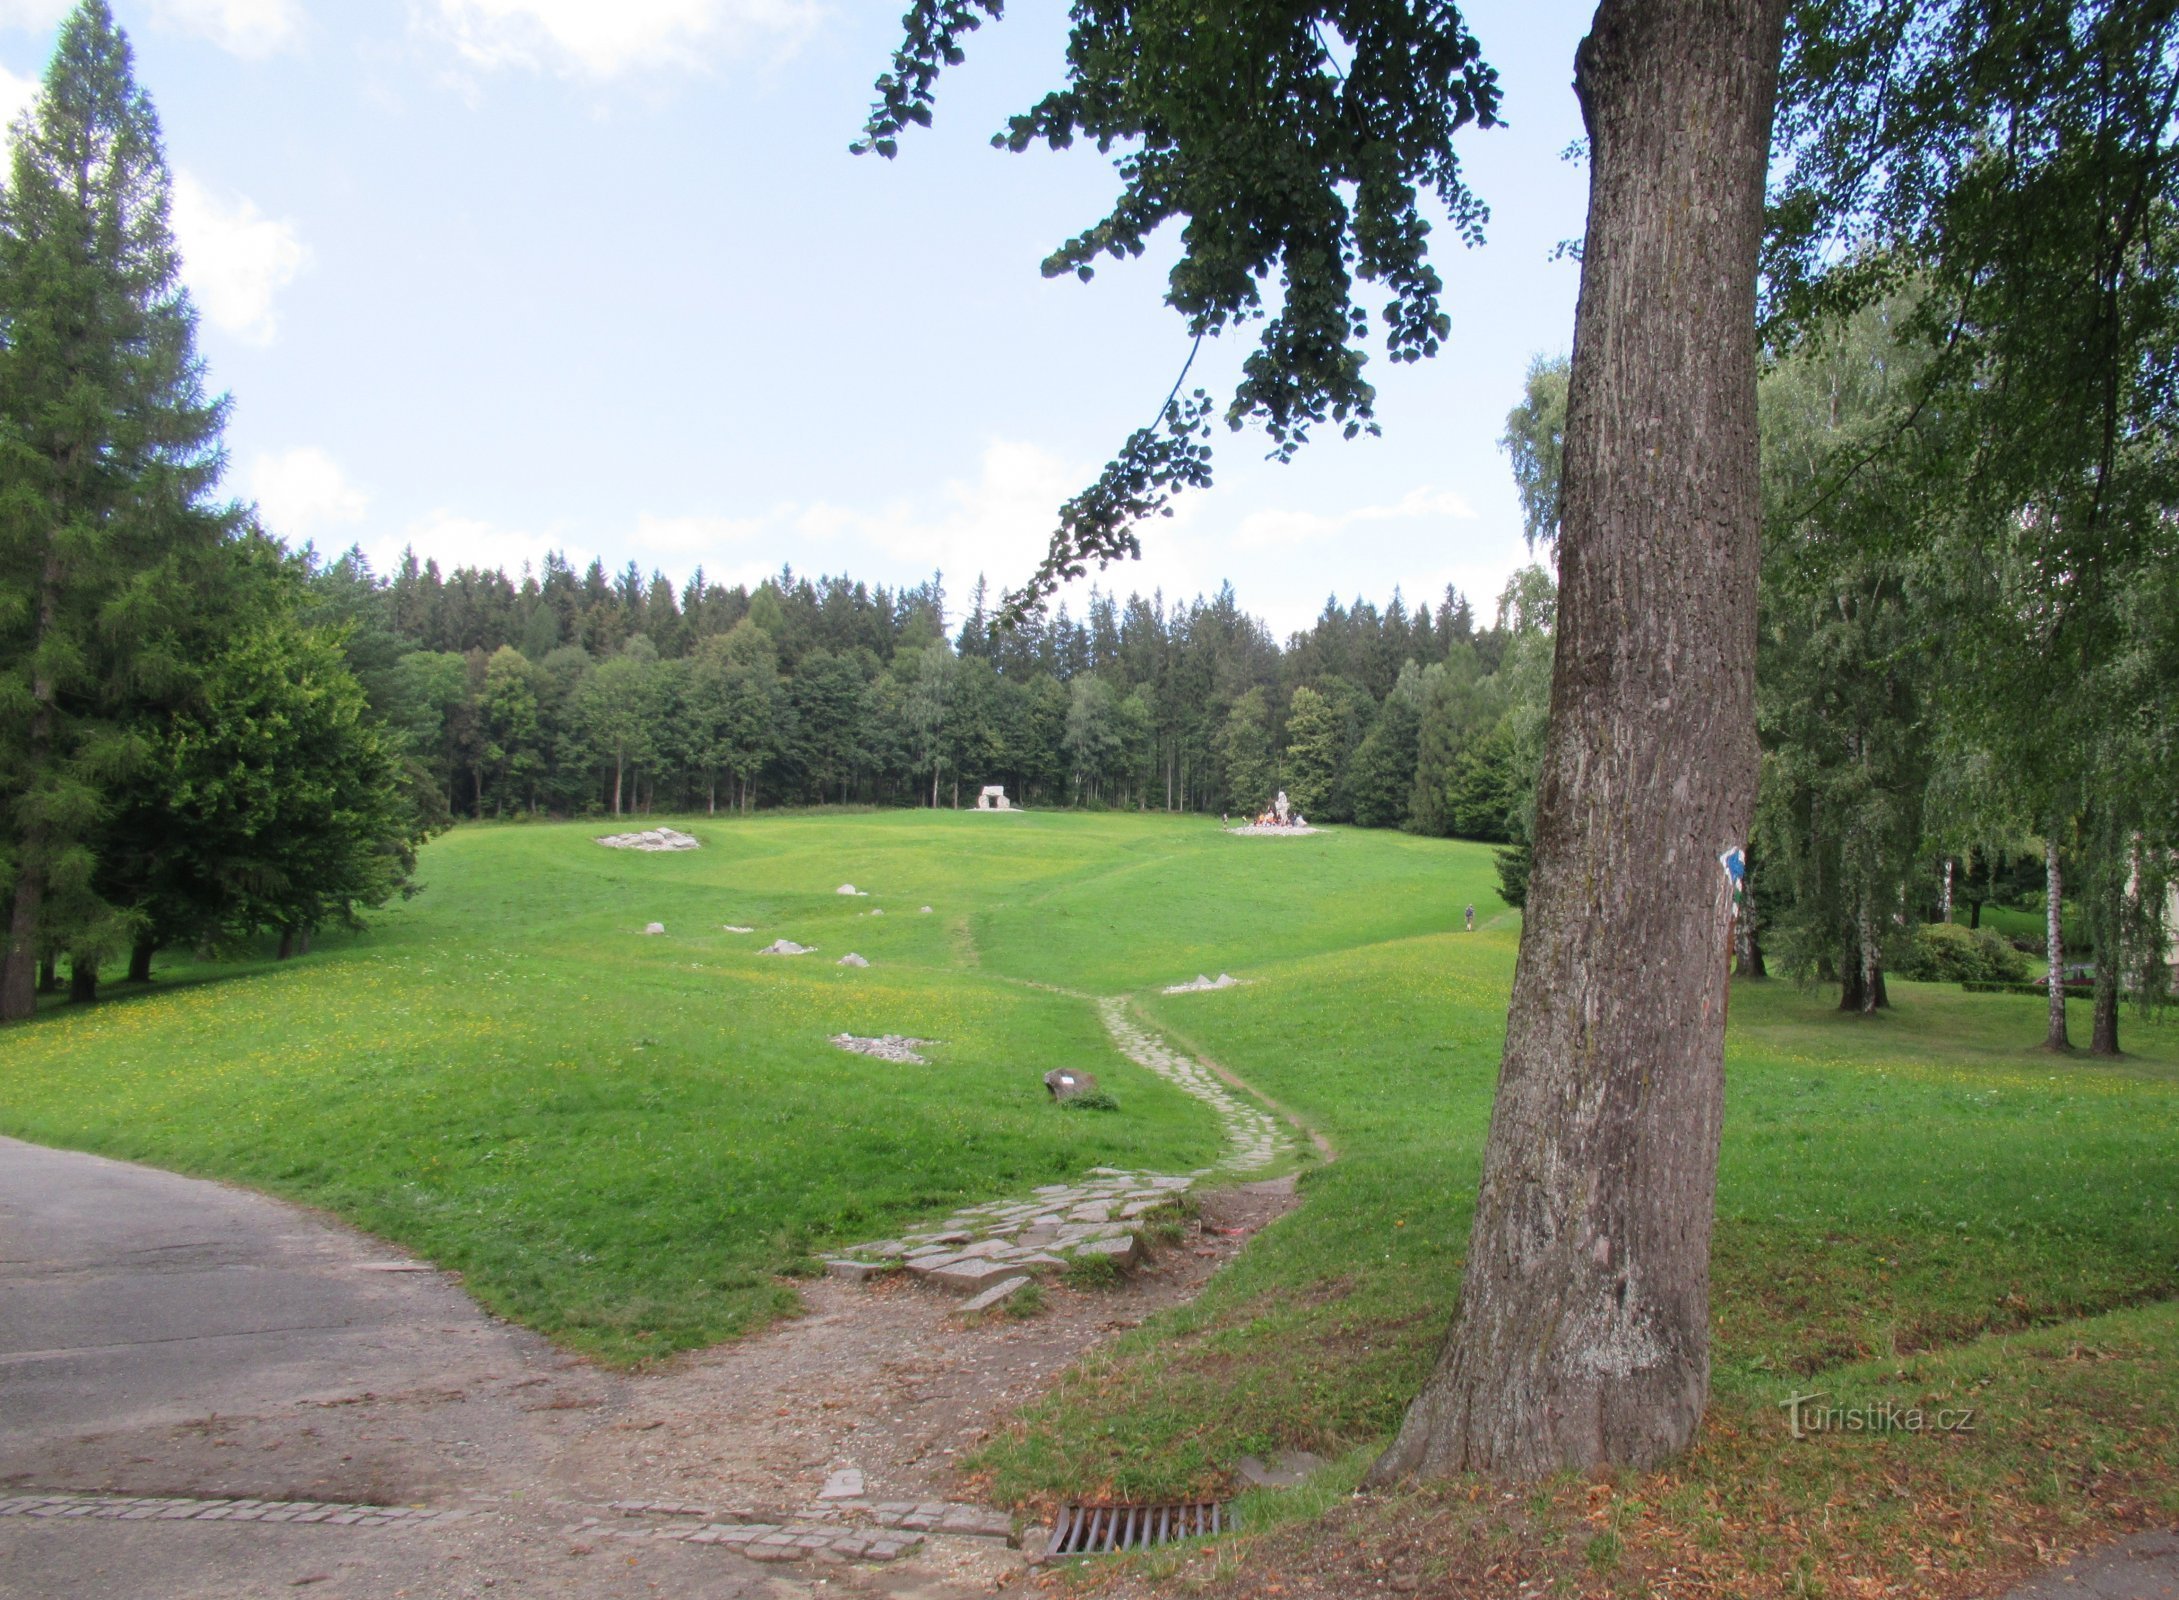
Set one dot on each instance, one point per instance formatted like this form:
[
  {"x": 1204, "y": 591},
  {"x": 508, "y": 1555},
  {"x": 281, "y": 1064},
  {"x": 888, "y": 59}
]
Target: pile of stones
[
  {"x": 1224, "y": 980},
  {"x": 980, "y": 1249},
  {"x": 894, "y": 1047},
  {"x": 651, "y": 839}
]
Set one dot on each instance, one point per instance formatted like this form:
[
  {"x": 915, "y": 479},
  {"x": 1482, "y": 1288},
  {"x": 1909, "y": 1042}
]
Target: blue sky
[{"x": 497, "y": 276}]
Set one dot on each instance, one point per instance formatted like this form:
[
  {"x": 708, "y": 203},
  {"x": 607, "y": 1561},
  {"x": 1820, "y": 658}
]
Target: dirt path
[{"x": 163, "y": 1337}]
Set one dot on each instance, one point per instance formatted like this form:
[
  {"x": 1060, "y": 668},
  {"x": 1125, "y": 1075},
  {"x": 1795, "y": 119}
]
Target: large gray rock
[
  {"x": 651, "y": 839},
  {"x": 786, "y": 947},
  {"x": 1066, "y": 1083}
]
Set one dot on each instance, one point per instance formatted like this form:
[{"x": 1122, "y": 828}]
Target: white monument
[
  {"x": 994, "y": 798},
  {"x": 1281, "y": 809}
]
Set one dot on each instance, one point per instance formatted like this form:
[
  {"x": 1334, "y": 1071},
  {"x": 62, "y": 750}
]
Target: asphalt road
[{"x": 162, "y": 1335}]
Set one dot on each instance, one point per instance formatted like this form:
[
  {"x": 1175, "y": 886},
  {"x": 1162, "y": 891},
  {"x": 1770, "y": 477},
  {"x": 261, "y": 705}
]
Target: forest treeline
[
  {"x": 569, "y": 694},
  {"x": 1968, "y": 637}
]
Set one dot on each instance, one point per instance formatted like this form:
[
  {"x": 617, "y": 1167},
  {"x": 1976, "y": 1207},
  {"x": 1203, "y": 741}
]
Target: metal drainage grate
[{"x": 1085, "y": 1530}]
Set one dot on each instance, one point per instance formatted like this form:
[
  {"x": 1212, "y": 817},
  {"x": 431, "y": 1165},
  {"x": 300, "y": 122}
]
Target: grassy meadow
[
  {"x": 625, "y": 1141},
  {"x": 633, "y": 1143}
]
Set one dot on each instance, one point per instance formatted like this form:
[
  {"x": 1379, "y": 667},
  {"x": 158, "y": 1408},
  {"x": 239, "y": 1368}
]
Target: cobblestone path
[{"x": 992, "y": 1251}]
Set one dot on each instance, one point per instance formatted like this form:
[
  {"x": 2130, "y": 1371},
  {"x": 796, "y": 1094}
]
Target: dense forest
[
  {"x": 569, "y": 693},
  {"x": 1968, "y": 641}
]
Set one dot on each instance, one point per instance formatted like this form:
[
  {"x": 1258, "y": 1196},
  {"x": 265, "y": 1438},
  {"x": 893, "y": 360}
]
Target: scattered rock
[
  {"x": 1288, "y": 1470},
  {"x": 964, "y": 1276},
  {"x": 846, "y": 1484},
  {"x": 1224, "y": 980},
  {"x": 1123, "y": 1251},
  {"x": 849, "y": 888},
  {"x": 997, "y": 1294},
  {"x": 654, "y": 927},
  {"x": 1067, "y": 1084},
  {"x": 1276, "y": 830},
  {"x": 787, "y": 947},
  {"x": 860, "y": 1271},
  {"x": 892, "y": 1047},
  {"x": 926, "y": 911},
  {"x": 851, "y": 959},
  {"x": 651, "y": 839},
  {"x": 877, "y": 911},
  {"x": 730, "y": 928}
]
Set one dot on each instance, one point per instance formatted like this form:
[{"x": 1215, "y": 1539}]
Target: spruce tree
[{"x": 108, "y": 450}]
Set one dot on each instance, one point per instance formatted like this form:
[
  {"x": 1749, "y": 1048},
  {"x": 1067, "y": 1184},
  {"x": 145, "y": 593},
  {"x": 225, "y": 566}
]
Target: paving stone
[
  {"x": 1121, "y": 1252},
  {"x": 974, "y": 1522},
  {"x": 859, "y": 1271},
  {"x": 845, "y": 1484},
  {"x": 997, "y": 1294},
  {"x": 965, "y": 1277}
]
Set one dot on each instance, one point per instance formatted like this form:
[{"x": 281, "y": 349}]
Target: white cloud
[
  {"x": 1268, "y": 529},
  {"x": 302, "y": 493},
  {"x": 454, "y": 540},
  {"x": 235, "y": 258},
  {"x": 693, "y": 536},
  {"x": 247, "y": 28},
  {"x": 16, "y": 94},
  {"x": 33, "y": 16},
  {"x": 596, "y": 39}
]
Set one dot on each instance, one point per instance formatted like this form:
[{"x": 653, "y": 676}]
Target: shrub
[
  {"x": 1095, "y": 1100},
  {"x": 1945, "y": 952}
]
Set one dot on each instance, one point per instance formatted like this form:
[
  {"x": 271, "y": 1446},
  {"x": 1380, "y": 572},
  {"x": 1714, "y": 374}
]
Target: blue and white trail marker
[{"x": 1735, "y": 863}]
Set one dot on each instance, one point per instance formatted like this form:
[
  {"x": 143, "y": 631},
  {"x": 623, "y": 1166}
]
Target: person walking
[{"x": 1471, "y": 918}]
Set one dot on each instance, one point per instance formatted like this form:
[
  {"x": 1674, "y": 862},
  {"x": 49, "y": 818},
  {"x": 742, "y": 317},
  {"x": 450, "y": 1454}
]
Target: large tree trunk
[
  {"x": 2103, "y": 1031},
  {"x": 1582, "y": 1336},
  {"x": 1944, "y": 896},
  {"x": 287, "y": 942},
  {"x": 19, "y": 973},
  {"x": 19, "y": 966},
  {"x": 82, "y": 981},
  {"x": 617, "y": 769},
  {"x": 49, "y": 974},
  {"x": 1747, "y": 936},
  {"x": 140, "y": 955},
  {"x": 2054, "y": 945}
]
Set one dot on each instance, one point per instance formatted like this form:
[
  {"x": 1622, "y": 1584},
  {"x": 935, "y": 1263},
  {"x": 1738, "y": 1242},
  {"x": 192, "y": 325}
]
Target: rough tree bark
[
  {"x": 1582, "y": 1336},
  {"x": 2103, "y": 1031},
  {"x": 2054, "y": 945},
  {"x": 1748, "y": 936},
  {"x": 19, "y": 967},
  {"x": 1944, "y": 898},
  {"x": 2108, "y": 931}
]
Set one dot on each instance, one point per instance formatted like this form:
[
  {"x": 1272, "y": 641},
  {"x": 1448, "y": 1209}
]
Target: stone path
[
  {"x": 1257, "y": 1137},
  {"x": 995, "y": 1249},
  {"x": 171, "y": 1508}
]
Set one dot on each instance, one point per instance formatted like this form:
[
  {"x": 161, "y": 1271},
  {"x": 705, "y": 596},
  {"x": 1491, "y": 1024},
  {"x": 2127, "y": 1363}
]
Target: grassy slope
[
  {"x": 1886, "y": 1187},
  {"x": 619, "y": 1139},
  {"x": 622, "y": 1140}
]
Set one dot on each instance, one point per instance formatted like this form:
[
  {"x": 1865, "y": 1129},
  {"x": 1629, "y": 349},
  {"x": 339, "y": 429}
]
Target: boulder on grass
[{"x": 1068, "y": 1084}]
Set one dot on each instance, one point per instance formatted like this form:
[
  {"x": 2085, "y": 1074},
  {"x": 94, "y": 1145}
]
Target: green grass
[
  {"x": 625, "y": 1141},
  {"x": 632, "y": 1143},
  {"x": 1886, "y": 1187}
]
